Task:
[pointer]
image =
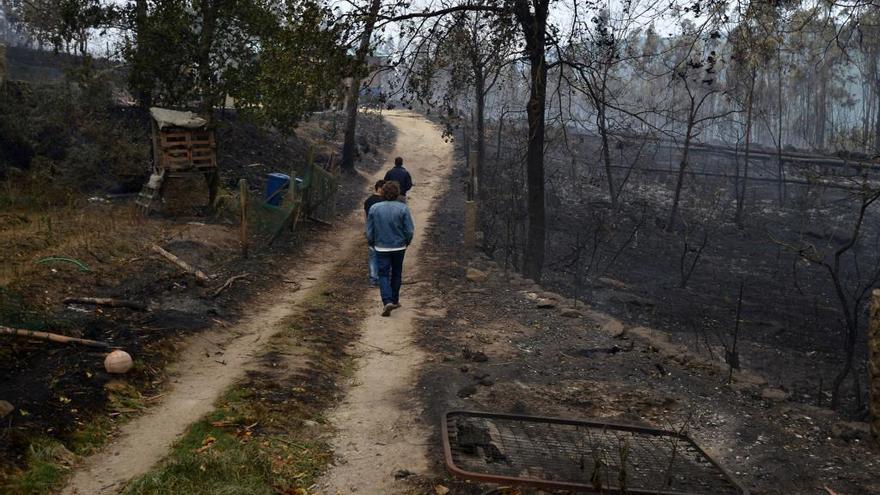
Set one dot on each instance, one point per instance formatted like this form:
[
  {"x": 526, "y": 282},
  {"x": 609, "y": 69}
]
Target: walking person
[
  {"x": 372, "y": 262},
  {"x": 401, "y": 176},
  {"x": 389, "y": 231}
]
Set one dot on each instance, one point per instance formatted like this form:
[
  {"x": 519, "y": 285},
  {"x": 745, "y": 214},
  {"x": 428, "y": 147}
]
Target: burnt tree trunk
[
  {"x": 780, "y": 164},
  {"x": 351, "y": 99},
  {"x": 606, "y": 152},
  {"x": 209, "y": 10},
  {"x": 534, "y": 27},
  {"x": 144, "y": 95},
  {"x": 877, "y": 119},
  {"x": 741, "y": 194},
  {"x": 480, "y": 98},
  {"x": 874, "y": 364},
  {"x": 682, "y": 167}
]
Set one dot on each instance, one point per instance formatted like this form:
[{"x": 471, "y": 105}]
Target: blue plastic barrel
[{"x": 275, "y": 184}]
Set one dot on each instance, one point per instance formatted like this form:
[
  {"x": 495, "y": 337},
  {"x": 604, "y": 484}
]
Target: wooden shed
[{"x": 183, "y": 146}]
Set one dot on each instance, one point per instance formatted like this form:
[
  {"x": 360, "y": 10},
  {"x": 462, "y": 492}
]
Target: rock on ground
[{"x": 475, "y": 275}]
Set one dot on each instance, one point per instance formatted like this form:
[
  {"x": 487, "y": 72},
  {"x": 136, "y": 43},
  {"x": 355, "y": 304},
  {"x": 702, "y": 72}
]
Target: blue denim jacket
[{"x": 389, "y": 225}]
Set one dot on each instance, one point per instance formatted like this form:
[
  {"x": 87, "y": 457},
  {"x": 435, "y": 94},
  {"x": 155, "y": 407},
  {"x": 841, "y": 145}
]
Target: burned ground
[
  {"x": 540, "y": 362},
  {"x": 627, "y": 262},
  {"x": 61, "y": 391}
]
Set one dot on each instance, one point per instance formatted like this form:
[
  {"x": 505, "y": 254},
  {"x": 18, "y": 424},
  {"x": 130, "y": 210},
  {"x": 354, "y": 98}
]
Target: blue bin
[{"x": 275, "y": 184}]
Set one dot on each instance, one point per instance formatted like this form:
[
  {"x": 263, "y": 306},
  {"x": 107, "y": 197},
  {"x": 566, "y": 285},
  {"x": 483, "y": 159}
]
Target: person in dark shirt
[
  {"x": 401, "y": 176},
  {"x": 372, "y": 260}
]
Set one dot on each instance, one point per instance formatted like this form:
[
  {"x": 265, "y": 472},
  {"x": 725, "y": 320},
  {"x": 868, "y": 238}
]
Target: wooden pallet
[{"x": 180, "y": 150}]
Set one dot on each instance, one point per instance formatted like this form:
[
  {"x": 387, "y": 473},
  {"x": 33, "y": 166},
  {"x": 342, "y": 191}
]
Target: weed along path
[{"x": 378, "y": 426}]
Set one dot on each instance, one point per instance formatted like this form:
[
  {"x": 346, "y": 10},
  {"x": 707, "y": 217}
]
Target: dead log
[
  {"x": 53, "y": 337},
  {"x": 200, "y": 276},
  {"x": 228, "y": 284},
  {"x": 106, "y": 301}
]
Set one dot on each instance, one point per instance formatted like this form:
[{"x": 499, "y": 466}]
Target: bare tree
[{"x": 851, "y": 278}]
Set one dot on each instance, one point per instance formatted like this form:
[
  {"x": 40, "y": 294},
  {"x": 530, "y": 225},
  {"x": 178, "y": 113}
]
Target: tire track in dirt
[{"x": 379, "y": 430}]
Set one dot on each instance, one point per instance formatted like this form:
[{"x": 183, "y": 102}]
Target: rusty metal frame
[{"x": 564, "y": 485}]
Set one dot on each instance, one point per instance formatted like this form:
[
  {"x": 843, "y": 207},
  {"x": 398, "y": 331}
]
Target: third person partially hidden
[{"x": 389, "y": 232}]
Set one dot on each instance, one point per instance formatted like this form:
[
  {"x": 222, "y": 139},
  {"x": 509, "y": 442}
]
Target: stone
[
  {"x": 531, "y": 296},
  {"x": 486, "y": 382},
  {"x": 571, "y": 313},
  {"x": 851, "y": 430},
  {"x": 545, "y": 303},
  {"x": 5, "y": 408},
  {"x": 475, "y": 275},
  {"x": 552, "y": 296},
  {"x": 441, "y": 490},
  {"x": 467, "y": 391},
  {"x": 774, "y": 394},
  {"x": 612, "y": 326},
  {"x": 611, "y": 282}
]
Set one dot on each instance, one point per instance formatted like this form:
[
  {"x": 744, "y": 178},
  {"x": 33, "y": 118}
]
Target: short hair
[
  {"x": 379, "y": 184},
  {"x": 398, "y": 162},
  {"x": 390, "y": 190}
]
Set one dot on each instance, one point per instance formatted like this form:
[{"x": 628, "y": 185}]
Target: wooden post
[
  {"x": 874, "y": 363},
  {"x": 243, "y": 205},
  {"x": 470, "y": 212},
  {"x": 475, "y": 174},
  {"x": 470, "y": 224}
]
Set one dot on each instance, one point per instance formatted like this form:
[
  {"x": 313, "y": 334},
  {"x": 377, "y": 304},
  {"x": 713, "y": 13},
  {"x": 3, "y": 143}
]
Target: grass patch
[
  {"x": 242, "y": 447},
  {"x": 48, "y": 463}
]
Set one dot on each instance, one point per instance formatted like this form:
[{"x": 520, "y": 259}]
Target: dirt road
[
  {"x": 379, "y": 431},
  {"x": 372, "y": 416}
]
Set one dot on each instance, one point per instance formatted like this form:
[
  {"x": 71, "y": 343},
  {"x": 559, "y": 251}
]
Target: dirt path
[
  {"x": 212, "y": 361},
  {"x": 379, "y": 431}
]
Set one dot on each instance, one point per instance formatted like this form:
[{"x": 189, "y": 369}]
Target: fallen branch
[
  {"x": 200, "y": 276},
  {"x": 228, "y": 284},
  {"x": 53, "y": 337},
  {"x": 105, "y": 301}
]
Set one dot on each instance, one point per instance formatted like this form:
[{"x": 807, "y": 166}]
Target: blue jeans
[
  {"x": 390, "y": 275},
  {"x": 373, "y": 262}
]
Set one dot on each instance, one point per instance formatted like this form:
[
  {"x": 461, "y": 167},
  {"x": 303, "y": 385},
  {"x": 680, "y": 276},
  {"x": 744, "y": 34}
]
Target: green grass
[
  {"x": 236, "y": 459},
  {"x": 48, "y": 462},
  {"x": 90, "y": 437},
  {"x": 225, "y": 467}
]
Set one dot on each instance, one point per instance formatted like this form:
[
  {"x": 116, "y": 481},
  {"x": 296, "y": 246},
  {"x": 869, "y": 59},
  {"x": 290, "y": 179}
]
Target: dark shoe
[{"x": 386, "y": 311}]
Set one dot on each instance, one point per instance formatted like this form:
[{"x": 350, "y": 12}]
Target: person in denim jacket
[{"x": 389, "y": 231}]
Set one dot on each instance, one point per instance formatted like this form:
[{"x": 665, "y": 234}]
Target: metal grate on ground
[{"x": 579, "y": 455}]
